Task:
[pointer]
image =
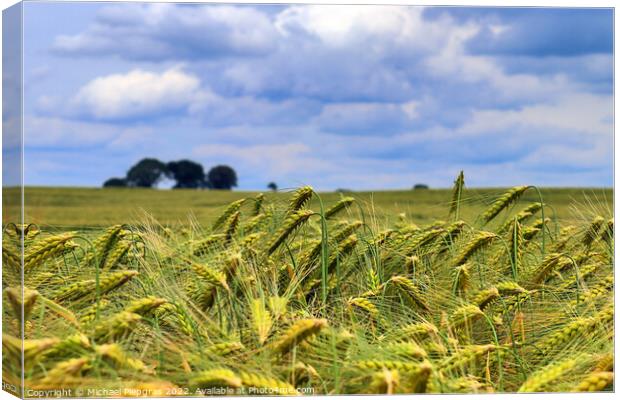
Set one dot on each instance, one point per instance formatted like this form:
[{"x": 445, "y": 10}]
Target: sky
[{"x": 355, "y": 97}]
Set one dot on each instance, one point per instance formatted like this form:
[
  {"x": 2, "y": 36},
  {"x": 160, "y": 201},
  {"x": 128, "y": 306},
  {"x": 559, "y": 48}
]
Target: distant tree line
[{"x": 188, "y": 174}]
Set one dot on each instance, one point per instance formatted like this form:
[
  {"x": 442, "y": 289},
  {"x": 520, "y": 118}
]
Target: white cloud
[
  {"x": 378, "y": 27},
  {"x": 137, "y": 93},
  {"x": 275, "y": 158},
  {"x": 158, "y": 32},
  {"x": 587, "y": 114},
  {"x": 60, "y": 132},
  {"x": 381, "y": 118}
]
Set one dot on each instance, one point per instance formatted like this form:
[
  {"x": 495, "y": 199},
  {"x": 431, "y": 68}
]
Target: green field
[
  {"x": 82, "y": 207},
  {"x": 277, "y": 297}
]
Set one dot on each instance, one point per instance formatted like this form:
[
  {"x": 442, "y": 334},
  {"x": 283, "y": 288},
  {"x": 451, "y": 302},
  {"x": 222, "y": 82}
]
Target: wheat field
[{"x": 299, "y": 296}]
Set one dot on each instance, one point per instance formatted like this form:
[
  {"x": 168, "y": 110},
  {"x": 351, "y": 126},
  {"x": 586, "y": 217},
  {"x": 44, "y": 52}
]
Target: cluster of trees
[{"x": 148, "y": 172}]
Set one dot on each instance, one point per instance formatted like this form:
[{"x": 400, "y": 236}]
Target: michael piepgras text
[{"x": 165, "y": 392}]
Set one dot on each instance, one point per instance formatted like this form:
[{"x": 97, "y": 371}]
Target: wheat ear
[
  {"x": 593, "y": 231},
  {"x": 117, "y": 357},
  {"x": 48, "y": 248},
  {"x": 14, "y": 294},
  {"x": 457, "y": 193},
  {"x": 300, "y": 198},
  {"x": 290, "y": 225},
  {"x": 220, "y": 377},
  {"x": 345, "y": 248},
  {"x": 230, "y": 210},
  {"x": 231, "y": 226},
  {"x": 338, "y": 207},
  {"x": 145, "y": 306},
  {"x": 465, "y": 315},
  {"x": 595, "y": 382},
  {"x": 225, "y": 348},
  {"x": 258, "y": 203},
  {"x": 297, "y": 333},
  {"x": 547, "y": 375},
  {"x": 480, "y": 240},
  {"x": 409, "y": 288},
  {"x": 384, "y": 382},
  {"x": 116, "y": 326},
  {"x": 501, "y": 203},
  {"x": 465, "y": 356}
]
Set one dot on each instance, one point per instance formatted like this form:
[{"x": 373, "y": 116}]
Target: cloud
[
  {"x": 218, "y": 111},
  {"x": 61, "y": 133},
  {"x": 137, "y": 93},
  {"x": 280, "y": 158},
  {"x": 588, "y": 114},
  {"x": 538, "y": 32},
  {"x": 343, "y": 96},
  {"x": 594, "y": 71},
  {"x": 368, "y": 118},
  {"x": 159, "y": 32},
  {"x": 290, "y": 164},
  {"x": 380, "y": 29}
]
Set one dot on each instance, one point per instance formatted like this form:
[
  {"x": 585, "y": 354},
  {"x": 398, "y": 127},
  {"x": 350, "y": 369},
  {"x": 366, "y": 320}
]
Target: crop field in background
[
  {"x": 427, "y": 291},
  {"x": 74, "y": 207}
]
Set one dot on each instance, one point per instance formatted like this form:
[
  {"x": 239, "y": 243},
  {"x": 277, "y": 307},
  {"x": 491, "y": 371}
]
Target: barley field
[
  {"x": 453, "y": 291},
  {"x": 91, "y": 208}
]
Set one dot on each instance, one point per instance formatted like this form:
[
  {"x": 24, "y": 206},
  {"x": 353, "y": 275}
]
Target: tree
[
  {"x": 147, "y": 173},
  {"x": 222, "y": 177},
  {"x": 115, "y": 182},
  {"x": 419, "y": 186},
  {"x": 188, "y": 174},
  {"x": 272, "y": 186}
]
